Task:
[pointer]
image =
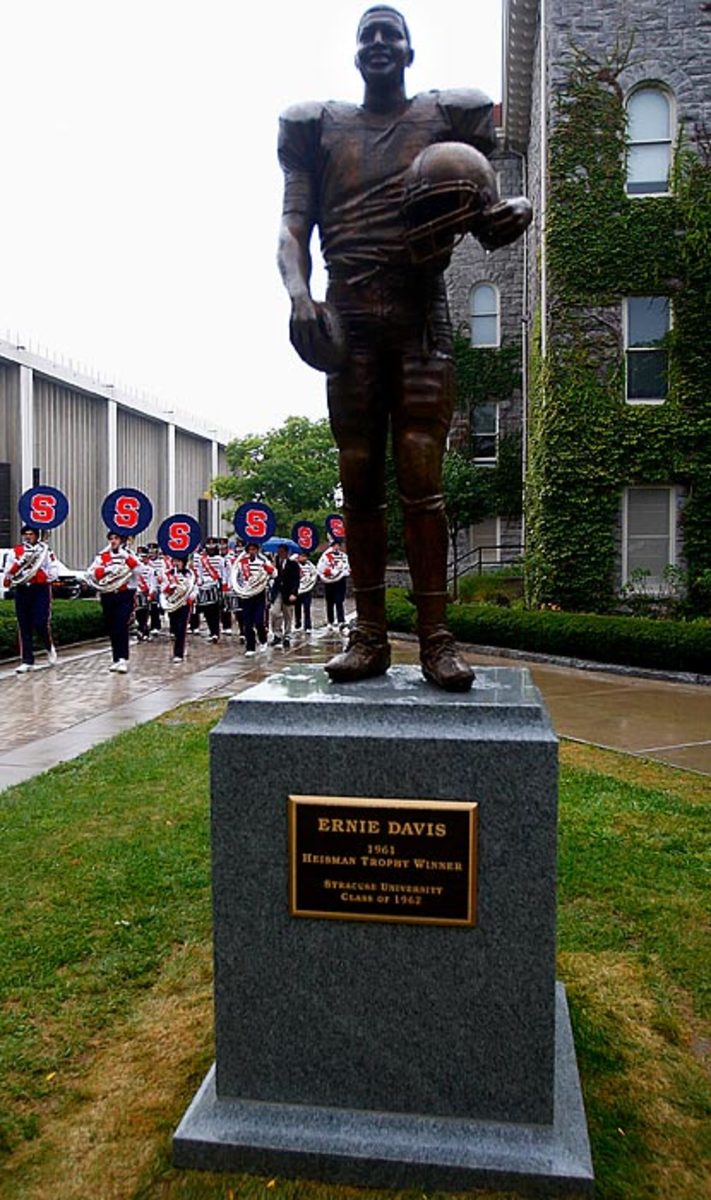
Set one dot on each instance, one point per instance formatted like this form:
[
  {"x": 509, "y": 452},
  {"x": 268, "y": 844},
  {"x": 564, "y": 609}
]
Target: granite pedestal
[{"x": 374, "y": 1053}]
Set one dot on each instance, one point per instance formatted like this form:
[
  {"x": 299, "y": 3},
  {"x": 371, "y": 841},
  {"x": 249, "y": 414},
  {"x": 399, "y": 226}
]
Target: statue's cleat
[
  {"x": 443, "y": 665},
  {"x": 367, "y": 655}
]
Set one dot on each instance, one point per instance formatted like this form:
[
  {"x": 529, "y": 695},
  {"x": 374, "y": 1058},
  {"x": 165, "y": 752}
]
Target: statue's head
[{"x": 383, "y": 47}]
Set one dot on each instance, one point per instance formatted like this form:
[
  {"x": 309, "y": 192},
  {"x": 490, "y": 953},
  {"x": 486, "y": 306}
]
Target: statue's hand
[
  {"x": 504, "y": 222},
  {"x": 304, "y": 330},
  {"x": 317, "y": 334}
]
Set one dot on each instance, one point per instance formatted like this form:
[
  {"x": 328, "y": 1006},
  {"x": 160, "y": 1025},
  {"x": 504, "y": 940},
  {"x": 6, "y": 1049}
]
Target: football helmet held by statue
[{"x": 447, "y": 189}]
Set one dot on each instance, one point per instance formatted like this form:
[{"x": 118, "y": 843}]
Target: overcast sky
[{"x": 140, "y": 191}]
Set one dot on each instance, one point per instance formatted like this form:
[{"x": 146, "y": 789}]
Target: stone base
[{"x": 392, "y": 1150}]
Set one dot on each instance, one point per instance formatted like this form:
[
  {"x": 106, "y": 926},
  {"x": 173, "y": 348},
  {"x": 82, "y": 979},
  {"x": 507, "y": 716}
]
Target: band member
[
  {"x": 307, "y": 579},
  {"x": 250, "y": 577},
  {"x": 114, "y": 573},
  {"x": 284, "y": 590},
  {"x": 212, "y": 583},
  {"x": 155, "y": 559},
  {"x": 146, "y": 593},
  {"x": 178, "y": 591},
  {"x": 31, "y": 570},
  {"x": 230, "y": 601},
  {"x": 333, "y": 568}
]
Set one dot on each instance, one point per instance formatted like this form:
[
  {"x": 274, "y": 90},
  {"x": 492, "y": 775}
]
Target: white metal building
[{"x": 87, "y": 438}]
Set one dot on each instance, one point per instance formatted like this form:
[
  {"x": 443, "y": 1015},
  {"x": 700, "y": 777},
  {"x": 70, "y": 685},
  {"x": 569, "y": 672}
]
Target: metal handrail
[{"x": 477, "y": 555}]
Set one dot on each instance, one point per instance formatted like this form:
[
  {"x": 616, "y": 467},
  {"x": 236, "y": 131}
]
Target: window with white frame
[
  {"x": 649, "y": 132},
  {"x": 484, "y": 315},
  {"x": 646, "y": 322},
  {"x": 484, "y": 538},
  {"x": 485, "y": 429},
  {"x": 648, "y": 526}
]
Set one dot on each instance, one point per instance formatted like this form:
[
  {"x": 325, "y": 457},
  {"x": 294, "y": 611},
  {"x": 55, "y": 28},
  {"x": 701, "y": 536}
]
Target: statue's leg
[
  {"x": 359, "y": 421},
  {"x": 421, "y": 422}
]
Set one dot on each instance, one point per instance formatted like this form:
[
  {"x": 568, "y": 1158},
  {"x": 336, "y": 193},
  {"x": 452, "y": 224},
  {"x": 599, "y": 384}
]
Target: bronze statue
[{"x": 390, "y": 184}]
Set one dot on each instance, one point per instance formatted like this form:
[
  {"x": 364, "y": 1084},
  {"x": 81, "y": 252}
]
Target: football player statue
[{"x": 391, "y": 185}]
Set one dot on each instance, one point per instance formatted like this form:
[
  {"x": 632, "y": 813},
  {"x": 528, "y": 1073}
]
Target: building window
[
  {"x": 649, "y": 130},
  {"x": 485, "y": 428},
  {"x": 647, "y": 320},
  {"x": 648, "y": 524},
  {"x": 484, "y": 315},
  {"x": 484, "y": 538}
]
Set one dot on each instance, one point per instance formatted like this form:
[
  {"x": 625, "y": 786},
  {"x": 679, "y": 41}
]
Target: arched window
[
  {"x": 484, "y": 315},
  {"x": 649, "y": 130}
]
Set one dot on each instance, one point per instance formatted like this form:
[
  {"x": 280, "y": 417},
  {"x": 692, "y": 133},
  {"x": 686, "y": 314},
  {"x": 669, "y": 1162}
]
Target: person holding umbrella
[{"x": 284, "y": 591}]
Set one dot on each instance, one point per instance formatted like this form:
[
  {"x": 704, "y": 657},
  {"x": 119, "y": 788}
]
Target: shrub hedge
[
  {"x": 485, "y": 587},
  {"x": 630, "y": 641},
  {"x": 72, "y": 621}
]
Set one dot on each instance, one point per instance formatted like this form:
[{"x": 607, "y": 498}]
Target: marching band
[{"x": 181, "y": 575}]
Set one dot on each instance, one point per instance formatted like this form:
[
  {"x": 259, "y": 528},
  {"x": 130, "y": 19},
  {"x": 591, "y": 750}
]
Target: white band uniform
[
  {"x": 249, "y": 577},
  {"x": 176, "y": 589},
  {"x": 333, "y": 565},
  {"x": 307, "y": 577},
  {"x": 32, "y": 560}
]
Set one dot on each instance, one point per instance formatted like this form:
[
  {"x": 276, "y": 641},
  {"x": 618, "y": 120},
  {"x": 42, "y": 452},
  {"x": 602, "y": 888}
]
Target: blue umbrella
[{"x": 272, "y": 544}]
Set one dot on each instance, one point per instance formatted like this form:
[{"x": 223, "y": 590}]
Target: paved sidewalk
[{"x": 55, "y": 714}]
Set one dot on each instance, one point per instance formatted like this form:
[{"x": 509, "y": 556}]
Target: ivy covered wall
[
  {"x": 485, "y": 376},
  {"x": 585, "y": 442},
  {"x": 492, "y": 374}
]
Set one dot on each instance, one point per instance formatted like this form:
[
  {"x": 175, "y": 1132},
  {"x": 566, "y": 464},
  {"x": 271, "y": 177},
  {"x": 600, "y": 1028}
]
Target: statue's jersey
[{"x": 344, "y": 170}]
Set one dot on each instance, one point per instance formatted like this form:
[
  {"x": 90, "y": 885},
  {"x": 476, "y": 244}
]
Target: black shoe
[
  {"x": 367, "y": 655},
  {"x": 287, "y": 642},
  {"x": 276, "y": 641}
]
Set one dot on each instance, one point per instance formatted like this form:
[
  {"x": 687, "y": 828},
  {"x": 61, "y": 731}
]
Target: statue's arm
[
  {"x": 470, "y": 114},
  {"x": 294, "y": 255},
  {"x": 297, "y": 149},
  {"x": 294, "y": 259}
]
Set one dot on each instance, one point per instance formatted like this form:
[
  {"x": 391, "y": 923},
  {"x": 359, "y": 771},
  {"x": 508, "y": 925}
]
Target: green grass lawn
[{"x": 105, "y": 971}]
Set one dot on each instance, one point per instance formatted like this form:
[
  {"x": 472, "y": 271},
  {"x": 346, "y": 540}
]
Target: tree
[
  {"x": 468, "y": 498},
  {"x": 293, "y": 468}
]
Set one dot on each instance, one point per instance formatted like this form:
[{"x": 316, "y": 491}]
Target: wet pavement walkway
[{"x": 55, "y": 714}]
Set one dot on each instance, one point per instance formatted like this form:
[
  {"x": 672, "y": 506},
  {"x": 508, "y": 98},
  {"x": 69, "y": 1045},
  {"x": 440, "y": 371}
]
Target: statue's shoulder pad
[
  {"x": 303, "y": 113},
  {"x": 464, "y": 98}
]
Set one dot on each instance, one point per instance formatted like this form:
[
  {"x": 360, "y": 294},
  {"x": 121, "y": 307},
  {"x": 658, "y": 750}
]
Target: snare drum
[
  {"x": 141, "y": 599},
  {"x": 209, "y": 593},
  {"x": 231, "y": 602}
]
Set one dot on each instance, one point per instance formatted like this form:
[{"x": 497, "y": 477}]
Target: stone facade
[
  {"x": 668, "y": 45},
  {"x": 504, "y": 269},
  {"x": 671, "y": 44}
]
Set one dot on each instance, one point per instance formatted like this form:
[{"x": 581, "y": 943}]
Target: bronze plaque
[{"x": 382, "y": 860}]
